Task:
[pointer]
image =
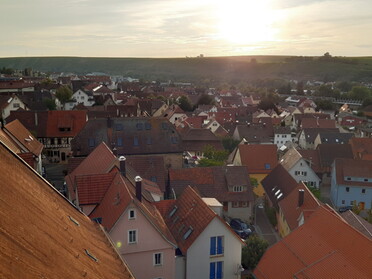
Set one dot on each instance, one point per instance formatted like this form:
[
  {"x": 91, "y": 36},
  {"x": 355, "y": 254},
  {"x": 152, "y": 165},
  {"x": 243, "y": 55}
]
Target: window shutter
[
  {"x": 219, "y": 270},
  {"x": 213, "y": 246},
  {"x": 212, "y": 271},
  {"x": 219, "y": 245}
]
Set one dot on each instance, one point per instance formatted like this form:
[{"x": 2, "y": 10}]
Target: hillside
[{"x": 224, "y": 69}]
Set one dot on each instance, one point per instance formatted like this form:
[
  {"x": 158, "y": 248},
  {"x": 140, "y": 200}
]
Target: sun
[{"x": 245, "y": 21}]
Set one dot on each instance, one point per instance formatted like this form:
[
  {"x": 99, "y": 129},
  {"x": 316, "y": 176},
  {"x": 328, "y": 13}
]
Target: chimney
[
  {"x": 36, "y": 120},
  {"x": 138, "y": 180},
  {"x": 122, "y": 160},
  {"x": 301, "y": 193}
]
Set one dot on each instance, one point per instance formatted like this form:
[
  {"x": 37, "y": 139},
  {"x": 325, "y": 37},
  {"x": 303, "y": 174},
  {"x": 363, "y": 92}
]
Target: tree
[
  {"x": 205, "y": 100},
  {"x": 213, "y": 157},
  {"x": 253, "y": 251},
  {"x": 229, "y": 144},
  {"x": 64, "y": 94},
  {"x": 50, "y": 104},
  {"x": 185, "y": 103},
  {"x": 300, "y": 88},
  {"x": 359, "y": 93}
]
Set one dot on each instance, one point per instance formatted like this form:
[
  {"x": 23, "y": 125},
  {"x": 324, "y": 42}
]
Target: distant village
[{"x": 115, "y": 177}]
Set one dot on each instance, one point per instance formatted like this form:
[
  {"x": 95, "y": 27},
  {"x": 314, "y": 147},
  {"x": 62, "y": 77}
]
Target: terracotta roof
[
  {"x": 40, "y": 230},
  {"x": 291, "y": 209},
  {"x": 255, "y": 132},
  {"x": 213, "y": 182},
  {"x": 5, "y": 139},
  {"x": 353, "y": 168},
  {"x": 92, "y": 188},
  {"x": 318, "y": 123},
  {"x": 149, "y": 167},
  {"x": 361, "y": 147},
  {"x": 118, "y": 197},
  {"x": 259, "y": 158},
  {"x": 192, "y": 214},
  {"x": 196, "y": 121},
  {"x": 313, "y": 251},
  {"x": 358, "y": 223},
  {"x": 278, "y": 184},
  {"x": 24, "y": 137},
  {"x": 65, "y": 123},
  {"x": 100, "y": 161}
]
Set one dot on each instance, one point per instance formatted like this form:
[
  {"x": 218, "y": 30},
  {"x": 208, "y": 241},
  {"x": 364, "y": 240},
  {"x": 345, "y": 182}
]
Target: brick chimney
[
  {"x": 122, "y": 160},
  {"x": 138, "y": 180},
  {"x": 301, "y": 193}
]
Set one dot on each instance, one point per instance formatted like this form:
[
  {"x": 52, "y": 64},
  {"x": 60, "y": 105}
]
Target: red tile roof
[
  {"x": 259, "y": 158},
  {"x": 291, "y": 210},
  {"x": 318, "y": 123},
  {"x": 92, "y": 188},
  {"x": 100, "y": 161},
  {"x": 192, "y": 214},
  {"x": 353, "y": 168},
  {"x": 40, "y": 230},
  {"x": 118, "y": 197},
  {"x": 24, "y": 137},
  {"x": 324, "y": 247},
  {"x": 361, "y": 147},
  {"x": 65, "y": 123}
]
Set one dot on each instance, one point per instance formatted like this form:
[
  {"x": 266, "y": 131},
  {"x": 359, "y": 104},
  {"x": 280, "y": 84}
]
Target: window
[
  {"x": 131, "y": 214},
  {"x": 365, "y": 179},
  {"x": 215, "y": 270},
  {"x": 139, "y": 126},
  {"x": 347, "y": 189},
  {"x": 15, "y": 105},
  {"x": 348, "y": 178},
  {"x": 243, "y": 204},
  {"x": 216, "y": 247},
  {"x": 238, "y": 189},
  {"x": 119, "y": 142},
  {"x": 118, "y": 127},
  {"x": 174, "y": 140},
  {"x": 147, "y": 126},
  {"x": 235, "y": 204},
  {"x": 132, "y": 236},
  {"x": 304, "y": 173},
  {"x": 363, "y": 191},
  {"x": 343, "y": 201},
  {"x": 158, "y": 259},
  {"x": 135, "y": 141},
  {"x": 148, "y": 140},
  {"x": 91, "y": 142},
  {"x": 154, "y": 179},
  {"x": 267, "y": 166},
  {"x": 173, "y": 211}
]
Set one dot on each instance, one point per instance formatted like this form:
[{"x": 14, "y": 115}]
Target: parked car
[
  {"x": 345, "y": 208},
  {"x": 241, "y": 228}
]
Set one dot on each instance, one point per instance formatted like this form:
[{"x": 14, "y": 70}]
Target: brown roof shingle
[{"x": 40, "y": 230}]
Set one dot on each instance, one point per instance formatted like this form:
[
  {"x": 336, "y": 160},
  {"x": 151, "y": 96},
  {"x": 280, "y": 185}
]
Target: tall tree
[
  {"x": 205, "y": 100},
  {"x": 64, "y": 94},
  {"x": 185, "y": 103},
  {"x": 253, "y": 251}
]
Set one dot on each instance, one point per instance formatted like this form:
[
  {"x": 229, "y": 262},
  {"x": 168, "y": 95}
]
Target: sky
[{"x": 180, "y": 28}]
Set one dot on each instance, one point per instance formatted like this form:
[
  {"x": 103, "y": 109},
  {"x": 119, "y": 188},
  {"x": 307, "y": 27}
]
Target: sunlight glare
[{"x": 245, "y": 21}]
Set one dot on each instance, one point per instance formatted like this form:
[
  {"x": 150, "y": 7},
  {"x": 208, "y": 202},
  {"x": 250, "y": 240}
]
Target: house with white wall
[
  {"x": 351, "y": 183},
  {"x": 80, "y": 97},
  {"x": 10, "y": 103},
  {"x": 299, "y": 168},
  {"x": 282, "y": 135},
  {"x": 209, "y": 248}
]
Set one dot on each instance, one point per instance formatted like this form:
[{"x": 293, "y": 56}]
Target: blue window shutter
[
  {"x": 213, "y": 246},
  {"x": 212, "y": 271},
  {"x": 219, "y": 245},
  {"x": 219, "y": 270}
]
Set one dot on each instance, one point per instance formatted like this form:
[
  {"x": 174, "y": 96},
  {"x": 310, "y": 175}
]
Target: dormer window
[{"x": 238, "y": 189}]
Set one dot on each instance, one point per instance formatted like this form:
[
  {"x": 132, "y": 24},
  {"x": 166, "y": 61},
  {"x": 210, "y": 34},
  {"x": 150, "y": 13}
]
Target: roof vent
[
  {"x": 90, "y": 255},
  {"x": 74, "y": 221}
]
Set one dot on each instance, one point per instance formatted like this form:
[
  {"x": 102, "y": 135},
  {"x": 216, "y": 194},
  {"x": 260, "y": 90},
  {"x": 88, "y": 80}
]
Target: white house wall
[{"x": 198, "y": 255}]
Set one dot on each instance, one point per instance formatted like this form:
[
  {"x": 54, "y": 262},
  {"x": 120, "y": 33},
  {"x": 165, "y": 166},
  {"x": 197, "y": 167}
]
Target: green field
[{"x": 220, "y": 69}]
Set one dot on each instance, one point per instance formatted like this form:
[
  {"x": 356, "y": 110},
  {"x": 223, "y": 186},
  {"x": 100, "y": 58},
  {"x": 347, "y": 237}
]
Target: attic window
[
  {"x": 187, "y": 234},
  {"x": 173, "y": 211},
  {"x": 139, "y": 126},
  {"x": 90, "y": 255},
  {"x": 74, "y": 221},
  {"x": 118, "y": 127},
  {"x": 267, "y": 166}
]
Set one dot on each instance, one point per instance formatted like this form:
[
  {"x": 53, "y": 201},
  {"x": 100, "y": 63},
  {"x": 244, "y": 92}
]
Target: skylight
[
  {"x": 74, "y": 221},
  {"x": 173, "y": 211},
  {"x": 187, "y": 234}
]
